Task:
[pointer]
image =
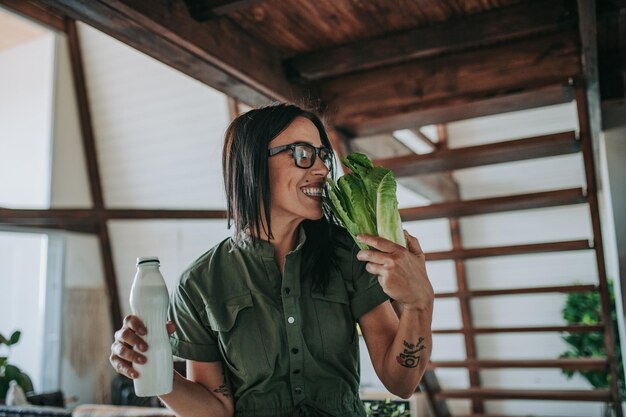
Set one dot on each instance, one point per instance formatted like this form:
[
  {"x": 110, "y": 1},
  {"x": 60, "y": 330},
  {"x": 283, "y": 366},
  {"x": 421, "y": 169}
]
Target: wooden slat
[
  {"x": 461, "y": 107},
  {"x": 46, "y": 216},
  {"x": 477, "y": 30},
  {"x": 491, "y": 153},
  {"x": 53, "y": 216},
  {"x": 516, "y": 291},
  {"x": 513, "y": 394},
  {"x": 163, "y": 214},
  {"x": 95, "y": 184},
  {"x": 495, "y": 204},
  {"x": 582, "y": 364},
  {"x": 528, "y": 329},
  {"x": 220, "y": 55},
  {"x": 585, "y": 126},
  {"x": 470, "y": 75},
  {"x": 36, "y": 12},
  {"x": 465, "y": 307},
  {"x": 91, "y": 228},
  {"x": 570, "y": 245}
]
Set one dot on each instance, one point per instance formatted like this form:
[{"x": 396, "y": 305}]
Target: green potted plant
[
  {"x": 585, "y": 308},
  {"x": 386, "y": 408},
  {"x": 9, "y": 372}
]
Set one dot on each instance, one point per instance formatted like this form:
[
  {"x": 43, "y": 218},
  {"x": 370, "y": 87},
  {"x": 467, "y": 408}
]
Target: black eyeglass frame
[{"x": 292, "y": 147}]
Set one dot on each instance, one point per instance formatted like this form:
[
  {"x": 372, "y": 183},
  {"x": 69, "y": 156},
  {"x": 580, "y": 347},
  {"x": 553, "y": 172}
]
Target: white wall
[
  {"x": 21, "y": 275},
  {"x": 25, "y": 109},
  {"x": 25, "y": 105}
]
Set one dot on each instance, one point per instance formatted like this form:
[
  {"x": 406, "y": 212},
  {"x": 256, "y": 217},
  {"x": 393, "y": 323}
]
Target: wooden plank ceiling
[{"x": 370, "y": 66}]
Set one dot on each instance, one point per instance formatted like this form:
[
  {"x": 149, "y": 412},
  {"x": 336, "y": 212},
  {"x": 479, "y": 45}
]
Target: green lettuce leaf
[{"x": 365, "y": 200}]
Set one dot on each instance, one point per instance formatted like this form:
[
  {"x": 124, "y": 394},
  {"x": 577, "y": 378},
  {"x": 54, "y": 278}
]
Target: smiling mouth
[{"x": 312, "y": 191}]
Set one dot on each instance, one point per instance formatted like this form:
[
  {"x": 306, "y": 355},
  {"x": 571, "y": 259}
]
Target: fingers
[
  {"x": 123, "y": 367},
  {"x": 127, "y": 353},
  {"x": 171, "y": 327},
  {"x": 413, "y": 244},
  {"x": 135, "y": 323},
  {"x": 375, "y": 269},
  {"x": 127, "y": 336},
  {"x": 380, "y": 243},
  {"x": 377, "y": 257}
]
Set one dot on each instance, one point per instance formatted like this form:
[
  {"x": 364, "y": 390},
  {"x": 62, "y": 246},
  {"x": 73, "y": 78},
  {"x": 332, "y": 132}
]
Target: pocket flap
[{"x": 223, "y": 314}]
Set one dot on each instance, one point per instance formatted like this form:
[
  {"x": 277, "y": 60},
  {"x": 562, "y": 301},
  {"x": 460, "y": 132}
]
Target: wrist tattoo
[
  {"x": 409, "y": 358},
  {"x": 222, "y": 389}
]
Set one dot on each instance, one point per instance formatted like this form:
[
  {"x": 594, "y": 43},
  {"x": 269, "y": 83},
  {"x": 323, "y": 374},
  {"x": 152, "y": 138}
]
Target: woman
[{"x": 266, "y": 319}]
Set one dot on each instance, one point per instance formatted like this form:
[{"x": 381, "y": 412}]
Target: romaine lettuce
[{"x": 365, "y": 200}]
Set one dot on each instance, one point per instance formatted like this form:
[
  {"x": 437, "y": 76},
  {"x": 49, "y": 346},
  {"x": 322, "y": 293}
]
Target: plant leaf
[
  {"x": 387, "y": 216},
  {"x": 15, "y": 337}
]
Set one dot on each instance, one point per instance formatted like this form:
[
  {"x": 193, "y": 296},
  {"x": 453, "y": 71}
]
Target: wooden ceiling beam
[
  {"x": 37, "y": 12},
  {"x": 217, "y": 53},
  {"x": 477, "y": 30},
  {"x": 439, "y": 89},
  {"x": 461, "y": 108},
  {"x": 474, "y": 156}
]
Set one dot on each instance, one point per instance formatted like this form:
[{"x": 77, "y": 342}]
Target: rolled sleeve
[
  {"x": 193, "y": 338},
  {"x": 367, "y": 292}
]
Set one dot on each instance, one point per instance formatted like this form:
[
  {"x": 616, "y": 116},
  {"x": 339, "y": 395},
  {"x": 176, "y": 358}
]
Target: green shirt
[{"x": 288, "y": 349}]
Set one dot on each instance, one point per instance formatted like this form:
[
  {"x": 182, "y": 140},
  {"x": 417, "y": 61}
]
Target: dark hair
[{"x": 246, "y": 180}]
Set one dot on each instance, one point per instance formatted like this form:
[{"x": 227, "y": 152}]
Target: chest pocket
[
  {"x": 238, "y": 331},
  {"x": 337, "y": 326}
]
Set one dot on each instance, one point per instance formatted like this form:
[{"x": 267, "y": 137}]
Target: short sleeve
[
  {"x": 367, "y": 292},
  {"x": 193, "y": 339}
]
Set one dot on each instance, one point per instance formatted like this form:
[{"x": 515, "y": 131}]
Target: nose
[{"x": 319, "y": 168}]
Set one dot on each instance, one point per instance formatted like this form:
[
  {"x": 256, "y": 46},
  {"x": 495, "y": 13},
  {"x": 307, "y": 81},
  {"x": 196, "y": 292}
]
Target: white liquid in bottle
[{"x": 149, "y": 301}]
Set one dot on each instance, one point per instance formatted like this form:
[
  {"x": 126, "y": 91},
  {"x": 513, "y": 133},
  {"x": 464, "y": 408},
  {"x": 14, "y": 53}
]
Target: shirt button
[
  {"x": 294, "y": 350},
  {"x": 298, "y": 390},
  {"x": 296, "y": 371},
  {"x": 287, "y": 290},
  {"x": 291, "y": 320}
]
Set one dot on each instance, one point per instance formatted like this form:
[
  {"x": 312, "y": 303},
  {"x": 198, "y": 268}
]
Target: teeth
[{"x": 312, "y": 191}]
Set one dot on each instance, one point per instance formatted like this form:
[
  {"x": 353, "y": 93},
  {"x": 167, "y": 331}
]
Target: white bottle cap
[{"x": 146, "y": 259}]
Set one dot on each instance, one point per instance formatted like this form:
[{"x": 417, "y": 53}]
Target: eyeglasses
[{"x": 303, "y": 153}]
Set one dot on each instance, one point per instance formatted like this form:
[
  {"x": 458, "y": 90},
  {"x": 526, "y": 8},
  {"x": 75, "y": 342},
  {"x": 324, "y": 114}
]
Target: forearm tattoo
[
  {"x": 222, "y": 389},
  {"x": 409, "y": 358}
]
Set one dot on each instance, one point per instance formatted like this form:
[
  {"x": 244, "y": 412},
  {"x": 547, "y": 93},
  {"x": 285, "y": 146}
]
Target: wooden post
[
  {"x": 592, "y": 198},
  {"x": 95, "y": 185}
]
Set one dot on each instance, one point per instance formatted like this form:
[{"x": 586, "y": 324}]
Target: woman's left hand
[{"x": 401, "y": 271}]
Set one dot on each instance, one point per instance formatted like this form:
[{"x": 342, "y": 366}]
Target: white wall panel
[
  {"x": 177, "y": 243},
  {"x": 527, "y": 226},
  {"x": 159, "y": 133}
]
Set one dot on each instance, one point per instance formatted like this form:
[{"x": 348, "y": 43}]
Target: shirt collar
[{"x": 263, "y": 247}]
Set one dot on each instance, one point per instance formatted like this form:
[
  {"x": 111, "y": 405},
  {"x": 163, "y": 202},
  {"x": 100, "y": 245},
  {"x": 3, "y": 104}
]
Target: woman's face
[{"x": 296, "y": 193}]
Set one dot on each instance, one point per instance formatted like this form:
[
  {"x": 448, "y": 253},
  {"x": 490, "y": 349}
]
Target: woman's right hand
[{"x": 123, "y": 352}]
